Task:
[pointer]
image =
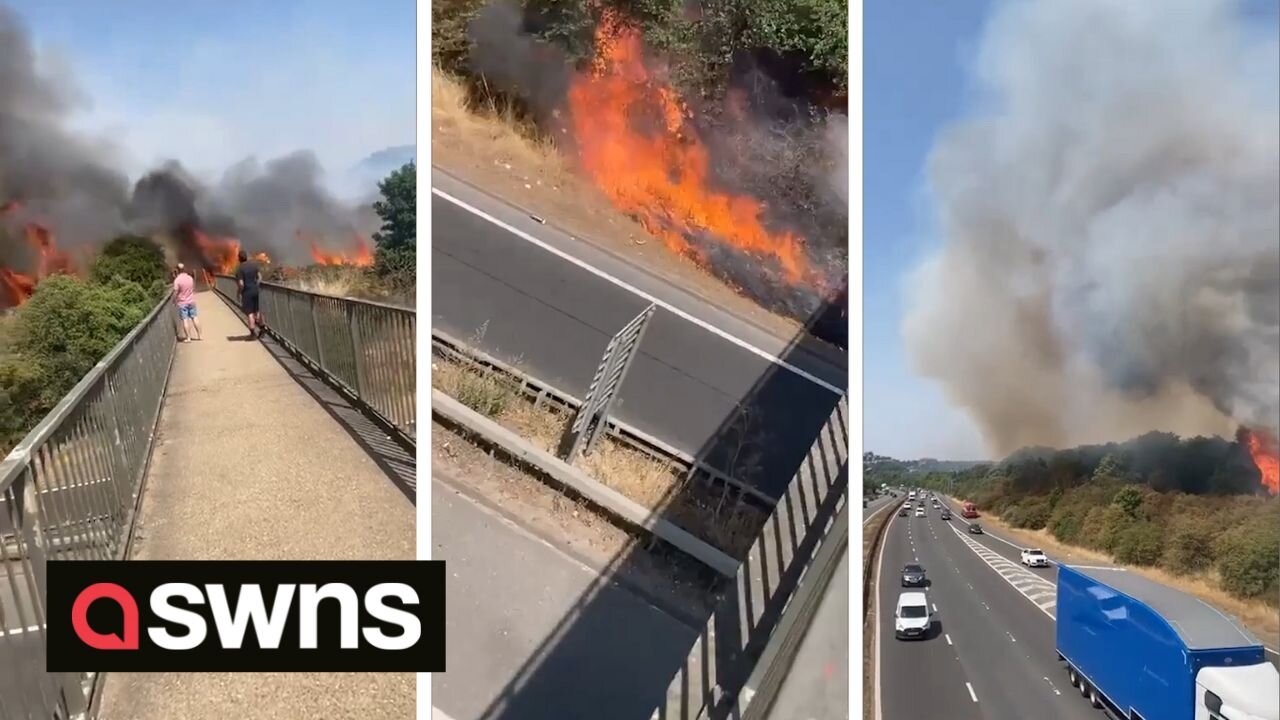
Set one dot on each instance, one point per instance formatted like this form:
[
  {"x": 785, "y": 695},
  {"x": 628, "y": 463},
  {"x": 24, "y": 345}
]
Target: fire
[
  {"x": 221, "y": 254},
  {"x": 16, "y": 287},
  {"x": 1266, "y": 456},
  {"x": 359, "y": 257},
  {"x": 660, "y": 174},
  {"x": 261, "y": 258}
]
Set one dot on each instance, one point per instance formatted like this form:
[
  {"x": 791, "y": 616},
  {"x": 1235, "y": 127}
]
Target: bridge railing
[
  {"x": 69, "y": 491},
  {"x": 365, "y": 347}
]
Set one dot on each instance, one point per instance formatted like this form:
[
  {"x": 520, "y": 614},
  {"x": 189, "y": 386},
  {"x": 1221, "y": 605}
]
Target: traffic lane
[
  {"x": 553, "y": 319},
  {"x": 1005, "y": 643},
  {"x": 533, "y": 633},
  {"x": 874, "y": 506},
  {"x": 817, "y": 684},
  {"x": 1013, "y": 552},
  {"x": 918, "y": 679},
  {"x": 815, "y": 356}
]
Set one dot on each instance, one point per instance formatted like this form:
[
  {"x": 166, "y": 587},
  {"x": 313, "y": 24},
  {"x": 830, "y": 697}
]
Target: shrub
[
  {"x": 1029, "y": 515},
  {"x": 1140, "y": 543},
  {"x": 23, "y": 401},
  {"x": 1114, "y": 521},
  {"x": 131, "y": 258},
  {"x": 1247, "y": 559},
  {"x": 1067, "y": 522},
  {"x": 1189, "y": 547}
]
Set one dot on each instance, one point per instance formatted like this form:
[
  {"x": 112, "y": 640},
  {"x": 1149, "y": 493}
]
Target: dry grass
[
  {"x": 1258, "y": 616},
  {"x": 492, "y": 128},
  {"x": 729, "y": 525}
]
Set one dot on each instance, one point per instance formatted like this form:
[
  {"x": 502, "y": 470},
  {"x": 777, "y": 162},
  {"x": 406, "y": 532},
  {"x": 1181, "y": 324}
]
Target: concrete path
[{"x": 249, "y": 465}]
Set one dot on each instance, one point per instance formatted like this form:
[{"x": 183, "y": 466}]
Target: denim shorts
[{"x": 187, "y": 312}]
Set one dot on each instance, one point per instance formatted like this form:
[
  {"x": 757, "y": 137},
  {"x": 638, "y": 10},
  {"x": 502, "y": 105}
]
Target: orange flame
[
  {"x": 1266, "y": 457},
  {"x": 661, "y": 174},
  {"x": 15, "y": 288},
  {"x": 221, "y": 254},
  {"x": 360, "y": 257},
  {"x": 18, "y": 287}
]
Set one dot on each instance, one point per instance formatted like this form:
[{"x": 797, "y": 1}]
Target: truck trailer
[{"x": 1149, "y": 652}]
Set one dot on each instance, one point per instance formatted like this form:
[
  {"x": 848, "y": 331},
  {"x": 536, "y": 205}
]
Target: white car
[
  {"x": 911, "y": 619},
  {"x": 1034, "y": 558},
  {"x": 919, "y": 512}
]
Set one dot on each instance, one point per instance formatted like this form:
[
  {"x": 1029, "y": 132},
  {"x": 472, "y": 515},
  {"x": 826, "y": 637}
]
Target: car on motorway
[
  {"x": 911, "y": 619},
  {"x": 1033, "y": 557},
  {"x": 975, "y": 529},
  {"x": 919, "y": 512},
  {"x": 945, "y": 514},
  {"x": 913, "y": 576},
  {"x": 903, "y": 512}
]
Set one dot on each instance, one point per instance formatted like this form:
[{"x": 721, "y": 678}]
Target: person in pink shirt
[{"x": 184, "y": 295}]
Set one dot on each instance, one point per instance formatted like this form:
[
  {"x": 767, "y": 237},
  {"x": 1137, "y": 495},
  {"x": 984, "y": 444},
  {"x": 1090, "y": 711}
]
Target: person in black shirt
[{"x": 247, "y": 278}]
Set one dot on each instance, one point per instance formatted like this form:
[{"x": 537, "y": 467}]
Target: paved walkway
[{"x": 249, "y": 465}]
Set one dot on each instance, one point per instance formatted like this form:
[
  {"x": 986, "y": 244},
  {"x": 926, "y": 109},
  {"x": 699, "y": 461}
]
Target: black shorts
[{"x": 249, "y": 302}]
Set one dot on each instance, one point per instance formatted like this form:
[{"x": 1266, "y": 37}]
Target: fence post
[
  {"x": 353, "y": 331},
  {"x": 315, "y": 331}
]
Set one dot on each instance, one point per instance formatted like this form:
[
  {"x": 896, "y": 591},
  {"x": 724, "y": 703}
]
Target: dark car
[
  {"x": 946, "y": 514},
  {"x": 975, "y": 529},
  {"x": 903, "y": 511},
  {"x": 913, "y": 576}
]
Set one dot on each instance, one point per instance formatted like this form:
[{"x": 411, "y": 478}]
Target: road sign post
[{"x": 593, "y": 416}]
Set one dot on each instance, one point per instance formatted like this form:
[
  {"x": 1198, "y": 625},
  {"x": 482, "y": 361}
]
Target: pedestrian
[
  {"x": 248, "y": 278},
  {"x": 184, "y": 296}
]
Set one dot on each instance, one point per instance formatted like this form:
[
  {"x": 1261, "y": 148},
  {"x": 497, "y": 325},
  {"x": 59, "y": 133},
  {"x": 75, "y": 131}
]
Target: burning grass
[{"x": 642, "y": 478}]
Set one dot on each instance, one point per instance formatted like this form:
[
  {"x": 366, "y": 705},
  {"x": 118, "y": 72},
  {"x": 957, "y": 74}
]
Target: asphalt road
[
  {"x": 523, "y": 303},
  {"x": 990, "y": 652},
  {"x": 534, "y": 633}
]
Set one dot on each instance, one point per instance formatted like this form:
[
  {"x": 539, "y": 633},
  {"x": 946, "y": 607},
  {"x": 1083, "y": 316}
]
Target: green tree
[
  {"x": 397, "y": 241},
  {"x": 132, "y": 258}
]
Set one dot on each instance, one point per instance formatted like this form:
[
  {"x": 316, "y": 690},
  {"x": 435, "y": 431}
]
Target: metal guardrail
[
  {"x": 367, "y": 348},
  {"x": 69, "y": 491}
]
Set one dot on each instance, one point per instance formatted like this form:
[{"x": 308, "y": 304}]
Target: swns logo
[{"x": 245, "y": 616}]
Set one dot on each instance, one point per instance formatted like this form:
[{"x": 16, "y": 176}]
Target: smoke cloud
[
  {"x": 71, "y": 185},
  {"x": 1111, "y": 228}
]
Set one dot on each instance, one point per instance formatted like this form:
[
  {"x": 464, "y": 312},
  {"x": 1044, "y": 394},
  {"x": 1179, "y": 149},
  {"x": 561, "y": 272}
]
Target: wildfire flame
[
  {"x": 360, "y": 257},
  {"x": 1266, "y": 457},
  {"x": 220, "y": 254},
  {"x": 15, "y": 287},
  {"x": 661, "y": 174}
]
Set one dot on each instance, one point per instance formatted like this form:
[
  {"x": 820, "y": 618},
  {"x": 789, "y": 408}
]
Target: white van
[{"x": 911, "y": 619}]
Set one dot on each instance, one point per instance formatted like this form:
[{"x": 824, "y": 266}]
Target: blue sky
[
  {"x": 915, "y": 58},
  {"x": 212, "y": 82}
]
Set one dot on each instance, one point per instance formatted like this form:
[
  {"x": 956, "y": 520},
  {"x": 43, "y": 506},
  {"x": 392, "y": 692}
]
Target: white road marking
[
  {"x": 948, "y": 637},
  {"x": 1011, "y": 637},
  {"x": 935, "y": 608},
  {"x": 637, "y": 291},
  {"x": 972, "y": 694},
  {"x": 20, "y": 631},
  {"x": 1042, "y": 593},
  {"x": 1051, "y": 686}
]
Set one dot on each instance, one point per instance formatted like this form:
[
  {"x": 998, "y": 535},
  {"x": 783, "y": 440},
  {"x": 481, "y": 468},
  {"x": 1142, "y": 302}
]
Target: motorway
[
  {"x": 991, "y": 653},
  {"x": 548, "y": 302}
]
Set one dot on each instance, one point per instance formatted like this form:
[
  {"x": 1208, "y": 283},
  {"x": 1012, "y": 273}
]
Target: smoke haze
[
  {"x": 1110, "y": 216},
  {"x": 71, "y": 185}
]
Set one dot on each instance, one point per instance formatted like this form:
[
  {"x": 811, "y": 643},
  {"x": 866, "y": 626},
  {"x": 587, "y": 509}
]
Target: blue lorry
[{"x": 1146, "y": 651}]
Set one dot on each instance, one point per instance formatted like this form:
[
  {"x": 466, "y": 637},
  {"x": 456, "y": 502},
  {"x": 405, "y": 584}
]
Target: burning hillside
[
  {"x": 61, "y": 197},
  {"x": 676, "y": 166},
  {"x": 1265, "y": 453}
]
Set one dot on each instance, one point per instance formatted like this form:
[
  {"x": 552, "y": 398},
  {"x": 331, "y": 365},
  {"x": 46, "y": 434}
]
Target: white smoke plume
[{"x": 1110, "y": 215}]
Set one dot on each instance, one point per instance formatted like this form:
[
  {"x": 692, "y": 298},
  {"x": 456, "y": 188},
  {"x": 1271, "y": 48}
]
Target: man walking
[
  {"x": 184, "y": 296},
  {"x": 247, "y": 278}
]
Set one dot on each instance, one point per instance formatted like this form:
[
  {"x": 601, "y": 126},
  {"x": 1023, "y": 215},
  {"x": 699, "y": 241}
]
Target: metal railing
[
  {"x": 365, "y": 347},
  {"x": 69, "y": 491}
]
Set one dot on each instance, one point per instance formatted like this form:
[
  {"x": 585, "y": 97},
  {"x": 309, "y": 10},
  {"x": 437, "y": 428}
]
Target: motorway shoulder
[
  {"x": 691, "y": 388},
  {"x": 809, "y": 354}
]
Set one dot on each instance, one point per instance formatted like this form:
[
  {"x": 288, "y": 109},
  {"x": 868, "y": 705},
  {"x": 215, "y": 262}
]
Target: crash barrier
[
  {"x": 366, "y": 348},
  {"x": 70, "y": 491}
]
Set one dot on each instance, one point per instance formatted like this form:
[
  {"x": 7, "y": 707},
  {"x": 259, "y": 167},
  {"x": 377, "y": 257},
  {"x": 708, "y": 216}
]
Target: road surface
[
  {"x": 534, "y": 633},
  {"x": 817, "y": 685},
  {"x": 520, "y": 301}
]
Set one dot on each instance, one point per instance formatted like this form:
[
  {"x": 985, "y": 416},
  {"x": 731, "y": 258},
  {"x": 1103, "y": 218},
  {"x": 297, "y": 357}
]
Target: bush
[
  {"x": 1114, "y": 521},
  {"x": 1141, "y": 543},
  {"x": 131, "y": 258},
  {"x": 1247, "y": 559},
  {"x": 1189, "y": 547},
  {"x": 23, "y": 401},
  {"x": 1067, "y": 522},
  {"x": 68, "y": 325},
  {"x": 1029, "y": 515}
]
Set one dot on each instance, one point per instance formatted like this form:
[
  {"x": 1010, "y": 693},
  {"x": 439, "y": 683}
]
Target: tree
[
  {"x": 397, "y": 241},
  {"x": 133, "y": 258}
]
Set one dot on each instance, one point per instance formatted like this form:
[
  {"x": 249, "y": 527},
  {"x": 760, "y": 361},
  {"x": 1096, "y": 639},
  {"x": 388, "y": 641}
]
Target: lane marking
[
  {"x": 20, "y": 630},
  {"x": 876, "y": 625},
  {"x": 1052, "y": 686},
  {"x": 637, "y": 291},
  {"x": 1031, "y": 586},
  {"x": 1011, "y": 637},
  {"x": 972, "y": 694},
  {"x": 948, "y": 637}
]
